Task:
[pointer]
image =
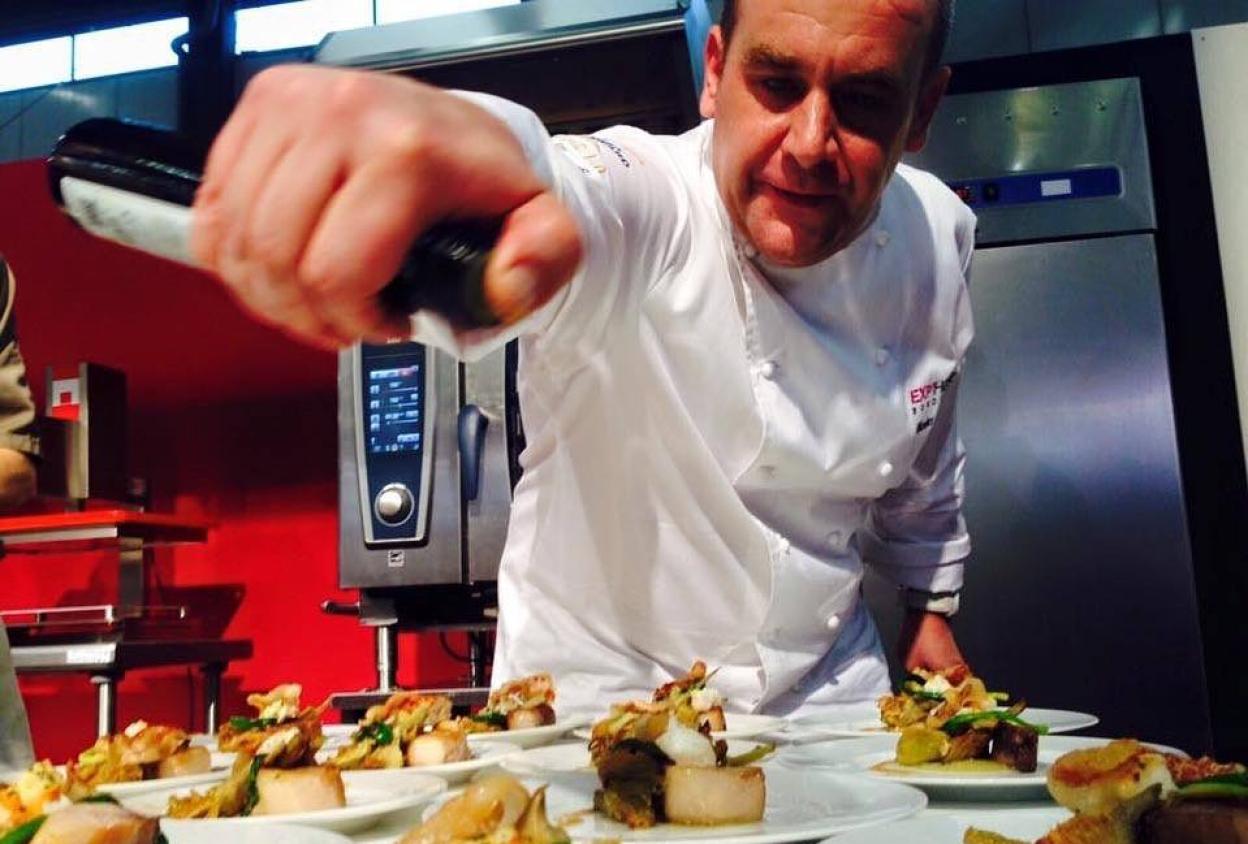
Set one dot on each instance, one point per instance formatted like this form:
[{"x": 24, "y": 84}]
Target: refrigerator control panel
[{"x": 1031, "y": 188}]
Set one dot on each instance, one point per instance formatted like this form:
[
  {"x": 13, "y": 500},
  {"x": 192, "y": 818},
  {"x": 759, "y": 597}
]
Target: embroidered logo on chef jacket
[
  {"x": 924, "y": 402},
  {"x": 584, "y": 153}
]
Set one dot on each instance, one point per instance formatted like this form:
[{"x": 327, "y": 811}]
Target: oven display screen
[{"x": 394, "y": 404}]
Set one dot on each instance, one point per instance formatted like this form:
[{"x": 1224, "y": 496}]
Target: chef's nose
[{"x": 811, "y": 139}]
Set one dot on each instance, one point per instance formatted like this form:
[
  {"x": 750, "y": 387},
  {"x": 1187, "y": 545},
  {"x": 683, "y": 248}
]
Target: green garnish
[
  {"x": 379, "y": 733},
  {"x": 760, "y": 752},
  {"x": 245, "y": 724},
  {"x": 253, "y": 790},
  {"x": 923, "y": 694},
  {"x": 961, "y": 723},
  {"x": 24, "y": 833},
  {"x": 1223, "y": 786},
  {"x": 493, "y": 719},
  {"x": 100, "y": 797}
]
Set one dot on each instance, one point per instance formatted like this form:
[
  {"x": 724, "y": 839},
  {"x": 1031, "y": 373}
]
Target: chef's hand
[
  {"x": 927, "y": 642},
  {"x": 322, "y": 178}
]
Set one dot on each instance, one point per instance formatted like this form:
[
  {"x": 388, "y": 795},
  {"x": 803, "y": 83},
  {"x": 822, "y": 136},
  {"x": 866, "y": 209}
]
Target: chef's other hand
[
  {"x": 322, "y": 179},
  {"x": 927, "y": 642}
]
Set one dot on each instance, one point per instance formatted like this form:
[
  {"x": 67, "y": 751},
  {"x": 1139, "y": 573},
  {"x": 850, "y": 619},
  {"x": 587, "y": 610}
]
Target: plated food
[
  {"x": 275, "y": 770},
  {"x": 409, "y": 729},
  {"x": 30, "y": 795},
  {"x": 277, "y": 713},
  {"x": 930, "y": 698},
  {"x": 517, "y": 705},
  {"x": 1126, "y": 793},
  {"x": 494, "y": 810},
  {"x": 139, "y": 753},
  {"x": 656, "y": 761}
]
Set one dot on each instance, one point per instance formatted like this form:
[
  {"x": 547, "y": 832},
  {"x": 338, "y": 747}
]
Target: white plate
[
  {"x": 368, "y": 802},
  {"x": 267, "y": 834},
  {"x": 485, "y": 754},
  {"x": 740, "y": 725},
  {"x": 574, "y": 757},
  {"x": 221, "y": 765},
  {"x": 801, "y": 806},
  {"x": 1026, "y": 825},
  {"x": 868, "y": 723},
  {"x": 336, "y": 735},
  {"x": 862, "y": 755},
  {"x": 535, "y": 736}
]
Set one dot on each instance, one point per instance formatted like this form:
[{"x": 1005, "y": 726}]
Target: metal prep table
[
  {"x": 131, "y": 534},
  {"x": 108, "y": 662}
]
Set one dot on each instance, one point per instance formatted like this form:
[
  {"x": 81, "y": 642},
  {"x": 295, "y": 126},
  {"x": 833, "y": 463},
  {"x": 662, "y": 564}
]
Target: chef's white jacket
[{"x": 715, "y": 446}]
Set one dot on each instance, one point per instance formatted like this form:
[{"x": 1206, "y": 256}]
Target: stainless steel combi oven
[{"x": 428, "y": 446}]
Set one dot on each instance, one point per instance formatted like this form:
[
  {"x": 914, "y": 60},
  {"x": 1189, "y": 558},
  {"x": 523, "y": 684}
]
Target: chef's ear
[
  {"x": 933, "y": 88},
  {"x": 714, "y": 71}
]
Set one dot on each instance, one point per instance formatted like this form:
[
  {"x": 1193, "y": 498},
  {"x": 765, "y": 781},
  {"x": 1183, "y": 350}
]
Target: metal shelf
[{"x": 91, "y": 530}]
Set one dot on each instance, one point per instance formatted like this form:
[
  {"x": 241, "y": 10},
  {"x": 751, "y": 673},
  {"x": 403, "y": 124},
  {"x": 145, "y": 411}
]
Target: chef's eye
[
  {"x": 780, "y": 87},
  {"x": 862, "y": 101}
]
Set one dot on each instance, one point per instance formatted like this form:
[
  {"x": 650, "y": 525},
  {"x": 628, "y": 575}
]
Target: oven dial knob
[{"x": 393, "y": 504}]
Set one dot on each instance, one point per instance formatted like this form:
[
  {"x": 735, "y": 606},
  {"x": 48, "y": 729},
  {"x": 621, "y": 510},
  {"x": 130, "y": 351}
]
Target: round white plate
[
  {"x": 336, "y": 735},
  {"x": 368, "y": 802},
  {"x": 221, "y": 765},
  {"x": 485, "y": 754},
  {"x": 868, "y": 723},
  {"x": 931, "y": 828},
  {"x": 574, "y": 757},
  {"x": 741, "y": 725},
  {"x": 801, "y": 806},
  {"x": 862, "y": 755},
  {"x": 268, "y": 834}
]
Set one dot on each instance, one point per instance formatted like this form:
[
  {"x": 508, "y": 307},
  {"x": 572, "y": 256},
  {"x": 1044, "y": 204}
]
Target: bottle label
[{"x": 152, "y": 225}]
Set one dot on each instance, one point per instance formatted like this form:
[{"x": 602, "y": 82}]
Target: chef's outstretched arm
[
  {"x": 916, "y": 537},
  {"x": 322, "y": 178}
]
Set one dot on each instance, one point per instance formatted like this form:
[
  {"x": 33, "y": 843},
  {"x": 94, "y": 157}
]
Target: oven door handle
[{"x": 473, "y": 424}]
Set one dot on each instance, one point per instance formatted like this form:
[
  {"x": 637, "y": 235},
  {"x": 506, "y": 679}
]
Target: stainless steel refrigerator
[{"x": 1081, "y": 588}]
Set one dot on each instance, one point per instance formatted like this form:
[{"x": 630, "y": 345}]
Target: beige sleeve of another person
[{"x": 19, "y": 442}]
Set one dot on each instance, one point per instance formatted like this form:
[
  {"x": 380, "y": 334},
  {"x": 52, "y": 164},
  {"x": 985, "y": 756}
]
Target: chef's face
[{"x": 814, "y": 102}]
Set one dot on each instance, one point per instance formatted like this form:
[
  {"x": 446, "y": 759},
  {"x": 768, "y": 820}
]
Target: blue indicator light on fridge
[{"x": 1029, "y": 188}]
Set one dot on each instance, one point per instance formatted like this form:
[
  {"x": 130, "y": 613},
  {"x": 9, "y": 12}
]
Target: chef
[
  {"x": 18, "y": 447},
  {"x": 739, "y": 351}
]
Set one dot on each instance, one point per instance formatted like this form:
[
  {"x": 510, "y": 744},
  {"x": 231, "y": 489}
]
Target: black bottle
[{"x": 134, "y": 183}]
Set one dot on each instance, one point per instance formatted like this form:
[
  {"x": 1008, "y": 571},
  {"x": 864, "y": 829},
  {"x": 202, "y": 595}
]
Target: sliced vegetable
[
  {"x": 240, "y": 722},
  {"x": 1226, "y": 786},
  {"x": 493, "y": 719},
  {"x": 381, "y": 733},
  {"x": 967, "y": 720},
  {"x": 757, "y": 754},
  {"x": 24, "y": 833},
  {"x": 253, "y": 791}
]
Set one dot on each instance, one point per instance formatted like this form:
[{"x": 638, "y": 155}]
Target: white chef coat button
[
  {"x": 749, "y": 250},
  {"x": 886, "y": 468},
  {"x": 834, "y": 538},
  {"x": 834, "y": 622},
  {"x": 882, "y": 239},
  {"x": 767, "y": 369},
  {"x": 881, "y": 356}
]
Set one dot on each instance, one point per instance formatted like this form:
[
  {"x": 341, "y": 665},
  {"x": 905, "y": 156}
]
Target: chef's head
[{"x": 814, "y": 103}]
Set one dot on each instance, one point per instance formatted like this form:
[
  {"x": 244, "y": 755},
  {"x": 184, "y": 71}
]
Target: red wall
[{"x": 230, "y": 421}]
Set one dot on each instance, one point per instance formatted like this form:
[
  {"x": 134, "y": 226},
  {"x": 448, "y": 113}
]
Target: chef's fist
[{"x": 322, "y": 179}]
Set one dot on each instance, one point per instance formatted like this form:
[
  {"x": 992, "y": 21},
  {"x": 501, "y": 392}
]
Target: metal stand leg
[
  {"x": 106, "y": 697},
  {"x": 387, "y": 644},
  {"x": 476, "y": 659},
  {"x": 212, "y": 695}
]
